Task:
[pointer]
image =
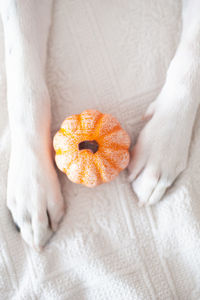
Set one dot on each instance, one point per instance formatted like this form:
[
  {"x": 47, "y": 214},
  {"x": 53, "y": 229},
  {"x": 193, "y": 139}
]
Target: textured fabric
[{"x": 112, "y": 56}]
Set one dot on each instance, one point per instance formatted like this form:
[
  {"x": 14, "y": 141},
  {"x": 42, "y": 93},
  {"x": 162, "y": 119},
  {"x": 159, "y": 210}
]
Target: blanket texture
[{"x": 111, "y": 56}]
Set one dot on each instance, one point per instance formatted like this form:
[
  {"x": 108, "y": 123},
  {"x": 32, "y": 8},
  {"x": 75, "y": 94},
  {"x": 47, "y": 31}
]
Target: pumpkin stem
[{"x": 91, "y": 145}]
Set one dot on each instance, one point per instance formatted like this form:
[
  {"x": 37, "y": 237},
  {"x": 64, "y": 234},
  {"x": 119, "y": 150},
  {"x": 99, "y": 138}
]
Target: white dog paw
[
  {"x": 161, "y": 152},
  {"x": 33, "y": 196}
]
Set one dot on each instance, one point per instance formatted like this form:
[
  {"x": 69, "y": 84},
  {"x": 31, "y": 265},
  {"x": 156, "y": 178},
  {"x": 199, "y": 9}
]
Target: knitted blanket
[{"x": 111, "y": 56}]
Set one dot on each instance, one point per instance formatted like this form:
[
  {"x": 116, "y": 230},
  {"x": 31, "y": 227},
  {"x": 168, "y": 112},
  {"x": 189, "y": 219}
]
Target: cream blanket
[{"x": 111, "y": 55}]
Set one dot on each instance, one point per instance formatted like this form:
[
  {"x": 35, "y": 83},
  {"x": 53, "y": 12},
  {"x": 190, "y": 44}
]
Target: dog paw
[
  {"x": 161, "y": 151},
  {"x": 33, "y": 195}
]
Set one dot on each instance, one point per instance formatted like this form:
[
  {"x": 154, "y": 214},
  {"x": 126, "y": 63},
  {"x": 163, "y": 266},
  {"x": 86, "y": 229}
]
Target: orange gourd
[{"x": 91, "y": 148}]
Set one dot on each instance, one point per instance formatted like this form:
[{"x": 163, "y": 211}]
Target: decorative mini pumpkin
[{"x": 91, "y": 148}]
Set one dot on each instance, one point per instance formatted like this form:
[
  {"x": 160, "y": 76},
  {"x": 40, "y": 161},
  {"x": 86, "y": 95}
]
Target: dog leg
[
  {"x": 161, "y": 151},
  {"x": 33, "y": 194}
]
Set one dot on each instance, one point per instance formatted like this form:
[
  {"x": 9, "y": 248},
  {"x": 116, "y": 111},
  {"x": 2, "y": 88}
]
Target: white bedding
[{"x": 111, "y": 55}]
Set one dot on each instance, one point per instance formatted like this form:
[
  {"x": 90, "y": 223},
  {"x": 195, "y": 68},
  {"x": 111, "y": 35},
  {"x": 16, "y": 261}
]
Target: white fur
[
  {"x": 159, "y": 156},
  {"x": 33, "y": 195},
  {"x": 161, "y": 151}
]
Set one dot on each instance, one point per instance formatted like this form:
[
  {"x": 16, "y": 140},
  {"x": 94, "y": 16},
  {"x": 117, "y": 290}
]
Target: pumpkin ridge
[
  {"x": 110, "y": 162},
  {"x": 100, "y": 176},
  {"x": 79, "y": 121},
  {"x": 82, "y": 172},
  {"x": 115, "y": 162},
  {"x": 99, "y": 119},
  {"x": 68, "y": 166},
  {"x": 98, "y": 172},
  {"x": 100, "y": 156},
  {"x": 98, "y": 125},
  {"x": 65, "y": 132},
  {"x": 114, "y": 145},
  {"x": 82, "y": 168},
  {"x": 115, "y": 129},
  {"x": 70, "y": 163}
]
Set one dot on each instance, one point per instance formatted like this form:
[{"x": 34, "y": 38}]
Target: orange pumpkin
[{"x": 91, "y": 148}]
